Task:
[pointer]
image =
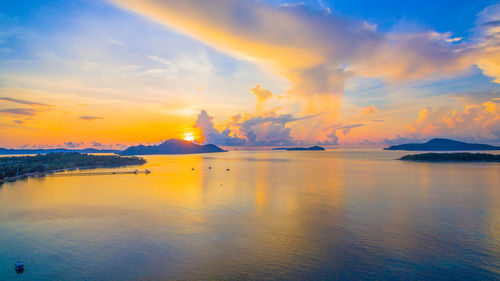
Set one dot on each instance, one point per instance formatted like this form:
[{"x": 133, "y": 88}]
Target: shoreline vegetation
[
  {"x": 452, "y": 157},
  {"x": 18, "y": 167},
  {"x": 23, "y": 151}
]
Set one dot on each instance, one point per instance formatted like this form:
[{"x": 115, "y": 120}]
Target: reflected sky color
[{"x": 354, "y": 214}]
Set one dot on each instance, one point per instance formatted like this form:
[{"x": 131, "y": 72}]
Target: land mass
[
  {"x": 443, "y": 145},
  {"x": 172, "y": 146},
  {"x": 452, "y": 157},
  {"x": 299, "y": 148},
  {"x": 6, "y": 151},
  {"x": 22, "y": 166}
]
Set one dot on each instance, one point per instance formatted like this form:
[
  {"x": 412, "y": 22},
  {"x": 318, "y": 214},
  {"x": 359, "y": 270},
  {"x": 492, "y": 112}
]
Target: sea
[{"x": 353, "y": 214}]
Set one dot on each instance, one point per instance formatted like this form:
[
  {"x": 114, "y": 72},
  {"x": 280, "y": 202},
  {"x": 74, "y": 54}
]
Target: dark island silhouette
[
  {"x": 443, "y": 145},
  {"x": 452, "y": 157},
  {"x": 172, "y": 146},
  {"x": 8, "y": 151},
  {"x": 16, "y": 167},
  {"x": 315, "y": 148}
]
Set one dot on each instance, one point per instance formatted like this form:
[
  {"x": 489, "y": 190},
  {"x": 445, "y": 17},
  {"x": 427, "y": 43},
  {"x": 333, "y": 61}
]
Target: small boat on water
[
  {"x": 19, "y": 267},
  {"x": 147, "y": 171}
]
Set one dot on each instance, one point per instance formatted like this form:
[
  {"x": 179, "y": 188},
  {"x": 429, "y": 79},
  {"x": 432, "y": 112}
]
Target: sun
[{"x": 188, "y": 137}]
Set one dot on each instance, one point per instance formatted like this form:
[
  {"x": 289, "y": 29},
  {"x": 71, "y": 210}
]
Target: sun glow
[{"x": 188, "y": 137}]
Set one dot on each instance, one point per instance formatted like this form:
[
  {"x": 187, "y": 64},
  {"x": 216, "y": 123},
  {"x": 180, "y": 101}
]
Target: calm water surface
[{"x": 276, "y": 215}]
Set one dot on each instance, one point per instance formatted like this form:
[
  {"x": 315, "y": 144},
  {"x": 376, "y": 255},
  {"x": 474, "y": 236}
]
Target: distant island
[
  {"x": 15, "y": 167},
  {"x": 443, "y": 145},
  {"x": 172, "y": 146},
  {"x": 7, "y": 151},
  {"x": 300, "y": 148},
  {"x": 452, "y": 157}
]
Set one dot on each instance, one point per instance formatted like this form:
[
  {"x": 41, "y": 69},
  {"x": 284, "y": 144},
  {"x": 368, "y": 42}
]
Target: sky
[{"x": 244, "y": 73}]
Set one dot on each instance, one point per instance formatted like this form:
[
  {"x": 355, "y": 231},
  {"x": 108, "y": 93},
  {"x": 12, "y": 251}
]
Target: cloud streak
[
  {"x": 347, "y": 129},
  {"x": 24, "y": 102},
  {"x": 90, "y": 118},
  {"x": 36, "y": 107},
  {"x": 20, "y": 111}
]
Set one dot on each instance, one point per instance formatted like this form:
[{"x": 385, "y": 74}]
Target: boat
[
  {"x": 19, "y": 267},
  {"x": 147, "y": 171}
]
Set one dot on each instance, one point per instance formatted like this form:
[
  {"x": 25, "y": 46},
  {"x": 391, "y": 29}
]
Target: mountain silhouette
[
  {"x": 299, "y": 148},
  {"x": 172, "y": 146},
  {"x": 438, "y": 144}
]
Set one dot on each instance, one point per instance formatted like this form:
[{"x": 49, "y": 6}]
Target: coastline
[
  {"x": 21, "y": 167},
  {"x": 52, "y": 172}
]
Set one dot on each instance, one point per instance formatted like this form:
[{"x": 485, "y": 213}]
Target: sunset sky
[{"x": 346, "y": 73}]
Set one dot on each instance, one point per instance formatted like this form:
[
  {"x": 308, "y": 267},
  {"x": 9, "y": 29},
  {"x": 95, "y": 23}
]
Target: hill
[
  {"x": 172, "y": 146},
  {"x": 300, "y": 148},
  {"x": 443, "y": 145}
]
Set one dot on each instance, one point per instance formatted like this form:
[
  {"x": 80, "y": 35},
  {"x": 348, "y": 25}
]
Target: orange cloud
[
  {"x": 474, "y": 122},
  {"x": 370, "y": 110},
  {"x": 262, "y": 96}
]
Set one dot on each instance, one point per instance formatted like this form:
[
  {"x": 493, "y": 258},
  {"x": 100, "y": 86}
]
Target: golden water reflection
[{"x": 277, "y": 214}]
